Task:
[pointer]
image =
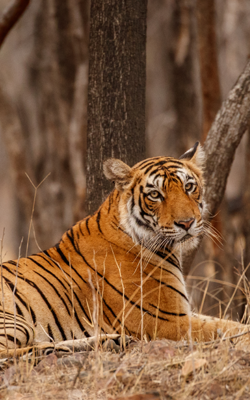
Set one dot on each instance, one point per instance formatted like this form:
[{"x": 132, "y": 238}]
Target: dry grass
[{"x": 166, "y": 369}]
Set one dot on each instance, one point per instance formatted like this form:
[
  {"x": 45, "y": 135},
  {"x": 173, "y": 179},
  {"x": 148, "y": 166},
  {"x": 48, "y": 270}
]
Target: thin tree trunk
[
  {"x": 246, "y": 207},
  {"x": 211, "y": 94},
  {"x": 116, "y": 97},
  {"x": 211, "y": 101},
  {"x": 183, "y": 79},
  {"x": 222, "y": 141}
]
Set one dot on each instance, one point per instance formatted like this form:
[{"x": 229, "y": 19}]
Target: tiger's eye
[
  {"x": 154, "y": 194},
  {"x": 189, "y": 186}
]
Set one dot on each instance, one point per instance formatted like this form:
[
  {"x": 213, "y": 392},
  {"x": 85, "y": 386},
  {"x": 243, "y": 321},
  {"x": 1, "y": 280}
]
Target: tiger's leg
[
  {"x": 15, "y": 331},
  {"x": 201, "y": 328},
  {"x": 205, "y": 328}
]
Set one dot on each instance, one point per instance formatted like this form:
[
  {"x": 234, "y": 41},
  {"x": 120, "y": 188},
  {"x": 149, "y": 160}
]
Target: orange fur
[{"x": 93, "y": 275}]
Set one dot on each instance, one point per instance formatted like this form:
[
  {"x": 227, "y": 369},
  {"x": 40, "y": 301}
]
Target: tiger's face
[{"x": 161, "y": 199}]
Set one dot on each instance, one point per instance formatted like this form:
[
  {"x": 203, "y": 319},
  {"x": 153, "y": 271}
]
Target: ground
[{"x": 144, "y": 371}]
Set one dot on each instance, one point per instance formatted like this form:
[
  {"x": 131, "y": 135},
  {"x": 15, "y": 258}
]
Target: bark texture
[
  {"x": 116, "y": 97},
  {"x": 183, "y": 86},
  {"x": 211, "y": 96},
  {"x": 246, "y": 208},
  {"x": 223, "y": 139}
]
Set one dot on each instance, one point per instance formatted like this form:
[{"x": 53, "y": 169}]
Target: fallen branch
[{"x": 10, "y": 16}]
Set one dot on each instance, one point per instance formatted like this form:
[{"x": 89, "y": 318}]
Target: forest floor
[{"x": 159, "y": 369}]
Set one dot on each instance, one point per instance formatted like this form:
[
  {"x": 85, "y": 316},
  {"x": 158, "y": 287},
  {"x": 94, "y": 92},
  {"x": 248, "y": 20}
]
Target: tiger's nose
[{"x": 185, "y": 224}]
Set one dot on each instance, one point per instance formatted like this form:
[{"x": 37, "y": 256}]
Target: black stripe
[
  {"x": 19, "y": 328},
  {"x": 50, "y": 333},
  {"x": 144, "y": 224},
  {"x": 148, "y": 166},
  {"x": 18, "y": 296},
  {"x": 18, "y": 309},
  {"x": 113, "y": 287},
  {"x": 13, "y": 325},
  {"x": 161, "y": 163},
  {"x": 67, "y": 262},
  {"x": 10, "y": 315},
  {"x": 74, "y": 245},
  {"x": 112, "y": 312},
  {"x": 87, "y": 224},
  {"x": 80, "y": 229},
  {"x": 77, "y": 318},
  {"x": 12, "y": 263},
  {"x": 98, "y": 217},
  {"x": 32, "y": 284},
  {"x": 170, "y": 272},
  {"x": 85, "y": 261},
  {"x": 59, "y": 251},
  {"x": 168, "y": 286},
  {"x": 48, "y": 271},
  {"x": 168, "y": 313},
  {"x": 132, "y": 200},
  {"x": 12, "y": 339},
  {"x": 170, "y": 256},
  {"x": 145, "y": 163},
  {"x": 110, "y": 201},
  {"x": 82, "y": 308},
  {"x": 142, "y": 211},
  {"x": 62, "y": 270},
  {"x": 56, "y": 291},
  {"x": 120, "y": 293},
  {"x": 158, "y": 175}
]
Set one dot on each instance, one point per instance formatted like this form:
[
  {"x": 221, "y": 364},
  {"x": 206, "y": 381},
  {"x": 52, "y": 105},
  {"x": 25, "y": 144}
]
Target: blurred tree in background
[
  {"x": 43, "y": 103},
  {"x": 117, "y": 89},
  {"x": 43, "y": 117}
]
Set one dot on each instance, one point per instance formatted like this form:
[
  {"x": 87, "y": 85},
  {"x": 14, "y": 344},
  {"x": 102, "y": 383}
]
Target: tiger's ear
[
  {"x": 117, "y": 171},
  {"x": 196, "y": 155}
]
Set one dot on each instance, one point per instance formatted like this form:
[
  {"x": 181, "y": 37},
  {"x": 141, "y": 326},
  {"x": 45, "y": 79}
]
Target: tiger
[{"x": 120, "y": 269}]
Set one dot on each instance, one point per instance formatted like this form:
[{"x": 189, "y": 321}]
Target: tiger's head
[{"x": 161, "y": 198}]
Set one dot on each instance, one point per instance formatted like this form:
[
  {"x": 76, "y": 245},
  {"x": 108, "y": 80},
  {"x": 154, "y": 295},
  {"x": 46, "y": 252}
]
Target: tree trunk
[
  {"x": 222, "y": 141},
  {"x": 116, "y": 97},
  {"x": 183, "y": 79},
  {"x": 211, "y": 95},
  {"x": 246, "y": 210}
]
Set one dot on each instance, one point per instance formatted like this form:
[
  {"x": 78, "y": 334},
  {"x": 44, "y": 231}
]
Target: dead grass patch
[{"x": 160, "y": 369}]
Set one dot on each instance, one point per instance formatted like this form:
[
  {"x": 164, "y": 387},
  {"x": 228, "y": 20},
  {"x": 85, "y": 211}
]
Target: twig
[
  {"x": 3, "y": 303},
  {"x": 33, "y": 207},
  {"x": 13, "y": 294},
  {"x": 235, "y": 290},
  {"x": 10, "y": 16}
]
